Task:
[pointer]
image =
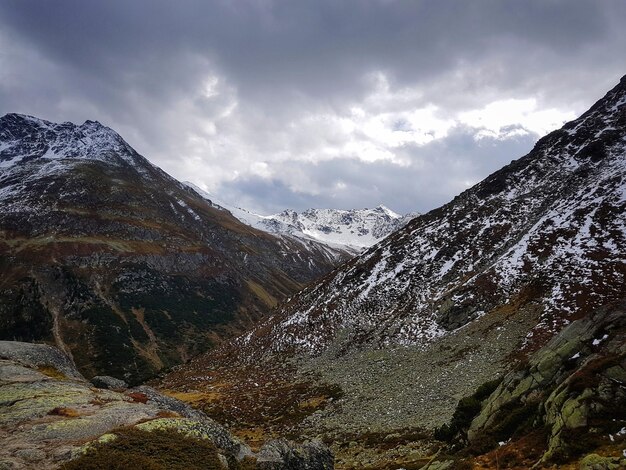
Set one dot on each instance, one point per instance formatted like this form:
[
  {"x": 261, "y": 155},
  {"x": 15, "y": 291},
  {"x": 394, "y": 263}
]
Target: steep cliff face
[{"x": 121, "y": 265}]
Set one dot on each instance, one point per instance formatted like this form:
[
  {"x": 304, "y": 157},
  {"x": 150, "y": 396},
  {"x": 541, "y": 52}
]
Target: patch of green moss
[
  {"x": 52, "y": 372},
  {"x": 143, "y": 450}
]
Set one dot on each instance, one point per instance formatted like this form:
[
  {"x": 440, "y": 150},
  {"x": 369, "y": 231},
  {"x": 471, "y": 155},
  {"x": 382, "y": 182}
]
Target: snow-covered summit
[
  {"x": 357, "y": 227},
  {"x": 354, "y": 229},
  {"x": 25, "y": 138}
]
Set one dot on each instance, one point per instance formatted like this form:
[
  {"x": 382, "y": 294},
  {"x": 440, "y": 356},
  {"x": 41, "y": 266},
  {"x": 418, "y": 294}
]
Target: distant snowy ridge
[{"x": 354, "y": 229}]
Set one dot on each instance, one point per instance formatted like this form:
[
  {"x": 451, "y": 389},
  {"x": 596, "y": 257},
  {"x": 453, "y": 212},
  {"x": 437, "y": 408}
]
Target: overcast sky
[{"x": 273, "y": 104}]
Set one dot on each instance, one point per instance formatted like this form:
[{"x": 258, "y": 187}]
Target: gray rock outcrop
[
  {"x": 281, "y": 454},
  {"x": 109, "y": 383},
  {"x": 39, "y": 356},
  {"x": 49, "y": 414},
  {"x": 575, "y": 386}
]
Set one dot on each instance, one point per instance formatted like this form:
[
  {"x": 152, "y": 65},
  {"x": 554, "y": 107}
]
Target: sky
[{"x": 275, "y": 104}]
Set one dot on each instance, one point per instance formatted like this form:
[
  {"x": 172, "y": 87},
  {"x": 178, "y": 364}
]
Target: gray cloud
[
  {"x": 258, "y": 100},
  {"x": 353, "y": 183}
]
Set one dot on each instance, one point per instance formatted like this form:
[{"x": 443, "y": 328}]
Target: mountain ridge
[
  {"x": 118, "y": 263},
  {"x": 351, "y": 229},
  {"x": 517, "y": 214}
]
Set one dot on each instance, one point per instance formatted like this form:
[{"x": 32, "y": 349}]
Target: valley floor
[{"x": 377, "y": 409}]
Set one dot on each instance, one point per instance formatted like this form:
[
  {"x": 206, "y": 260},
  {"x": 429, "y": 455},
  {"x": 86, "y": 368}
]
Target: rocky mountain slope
[
  {"x": 456, "y": 298},
  {"x": 119, "y": 264},
  {"x": 351, "y": 230},
  {"x": 547, "y": 232}
]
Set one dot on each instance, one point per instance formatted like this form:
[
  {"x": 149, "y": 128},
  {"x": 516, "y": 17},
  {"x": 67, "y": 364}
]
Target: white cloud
[
  {"x": 239, "y": 144},
  {"x": 510, "y": 117}
]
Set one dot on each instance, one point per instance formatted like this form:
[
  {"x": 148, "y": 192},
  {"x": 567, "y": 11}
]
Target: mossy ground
[{"x": 154, "y": 450}]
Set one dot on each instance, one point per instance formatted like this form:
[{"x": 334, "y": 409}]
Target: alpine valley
[
  {"x": 123, "y": 267},
  {"x": 496, "y": 318},
  {"x": 487, "y": 333}
]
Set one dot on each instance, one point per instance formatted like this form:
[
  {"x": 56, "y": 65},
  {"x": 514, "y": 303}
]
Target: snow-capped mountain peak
[
  {"x": 47, "y": 140},
  {"x": 354, "y": 229}
]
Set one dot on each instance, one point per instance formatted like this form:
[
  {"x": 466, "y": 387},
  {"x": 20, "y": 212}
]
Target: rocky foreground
[{"x": 50, "y": 416}]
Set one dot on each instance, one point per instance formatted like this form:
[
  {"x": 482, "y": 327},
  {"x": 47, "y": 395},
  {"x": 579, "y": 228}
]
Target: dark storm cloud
[
  {"x": 320, "y": 47},
  {"x": 235, "y": 94}
]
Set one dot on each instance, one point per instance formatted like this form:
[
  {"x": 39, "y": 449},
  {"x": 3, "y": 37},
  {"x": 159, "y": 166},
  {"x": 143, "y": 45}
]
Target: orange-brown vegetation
[
  {"x": 138, "y": 397},
  {"x": 63, "y": 411},
  {"x": 52, "y": 372},
  {"x": 255, "y": 402}
]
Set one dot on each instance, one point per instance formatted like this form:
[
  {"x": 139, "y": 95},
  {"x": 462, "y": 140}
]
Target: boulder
[
  {"x": 574, "y": 386},
  {"x": 203, "y": 429},
  {"x": 597, "y": 462},
  {"x": 281, "y": 454},
  {"x": 109, "y": 383}
]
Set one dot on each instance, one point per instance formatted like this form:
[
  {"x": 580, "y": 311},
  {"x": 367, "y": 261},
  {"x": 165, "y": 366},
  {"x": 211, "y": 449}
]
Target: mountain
[
  {"x": 351, "y": 230},
  {"x": 544, "y": 233},
  {"x": 121, "y": 265},
  {"x": 384, "y": 347}
]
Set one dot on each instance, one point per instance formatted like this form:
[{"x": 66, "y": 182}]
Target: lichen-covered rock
[
  {"x": 107, "y": 382},
  {"x": 575, "y": 387},
  {"x": 203, "y": 425},
  {"x": 10, "y": 372},
  {"x": 281, "y": 454},
  {"x": 47, "y": 418},
  {"x": 204, "y": 429},
  {"x": 26, "y": 401},
  {"x": 597, "y": 462},
  {"x": 39, "y": 356}
]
